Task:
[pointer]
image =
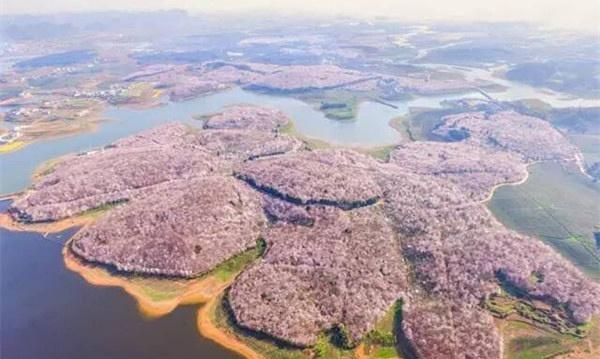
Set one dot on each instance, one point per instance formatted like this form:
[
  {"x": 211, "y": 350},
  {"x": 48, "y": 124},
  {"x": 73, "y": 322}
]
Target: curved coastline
[
  {"x": 578, "y": 163},
  {"x": 206, "y": 290},
  {"x": 7, "y": 222},
  {"x": 195, "y": 291},
  {"x": 515, "y": 183},
  {"x": 209, "y": 330}
]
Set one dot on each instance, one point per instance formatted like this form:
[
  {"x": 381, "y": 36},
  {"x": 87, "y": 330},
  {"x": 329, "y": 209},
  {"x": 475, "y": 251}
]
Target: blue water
[
  {"x": 51, "y": 312},
  {"x": 371, "y": 127}
]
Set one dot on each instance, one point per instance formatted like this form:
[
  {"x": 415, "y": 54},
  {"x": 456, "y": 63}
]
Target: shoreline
[
  {"x": 516, "y": 183},
  {"x": 205, "y": 291},
  {"x": 187, "y": 292},
  {"x": 578, "y": 163},
  {"x": 7, "y": 222},
  {"x": 13, "y": 146},
  {"x": 209, "y": 330}
]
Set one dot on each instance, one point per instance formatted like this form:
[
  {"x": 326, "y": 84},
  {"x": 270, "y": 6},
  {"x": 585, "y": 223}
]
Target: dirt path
[{"x": 359, "y": 352}]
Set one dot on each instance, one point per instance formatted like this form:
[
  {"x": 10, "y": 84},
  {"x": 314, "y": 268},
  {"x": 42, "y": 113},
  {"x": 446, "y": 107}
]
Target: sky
[{"x": 569, "y": 14}]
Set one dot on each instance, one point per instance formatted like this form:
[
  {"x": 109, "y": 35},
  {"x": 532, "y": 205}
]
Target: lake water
[
  {"x": 50, "y": 312},
  {"x": 370, "y": 128}
]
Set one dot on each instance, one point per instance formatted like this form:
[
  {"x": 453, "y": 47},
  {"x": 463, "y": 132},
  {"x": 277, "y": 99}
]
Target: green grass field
[
  {"x": 535, "y": 347},
  {"x": 525, "y": 341},
  {"x": 560, "y": 207},
  {"x": 381, "y": 342}
]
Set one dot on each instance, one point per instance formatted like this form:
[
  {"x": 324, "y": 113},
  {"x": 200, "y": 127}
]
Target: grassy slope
[
  {"x": 557, "y": 206},
  {"x": 385, "y": 330}
]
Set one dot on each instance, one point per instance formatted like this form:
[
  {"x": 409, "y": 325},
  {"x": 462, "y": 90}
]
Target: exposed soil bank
[
  {"x": 7, "y": 222},
  {"x": 209, "y": 330},
  {"x": 78, "y": 320},
  {"x": 147, "y": 291}
]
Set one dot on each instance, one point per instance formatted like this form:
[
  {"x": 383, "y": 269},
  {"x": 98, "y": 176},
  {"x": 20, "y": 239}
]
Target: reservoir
[{"x": 50, "y": 312}]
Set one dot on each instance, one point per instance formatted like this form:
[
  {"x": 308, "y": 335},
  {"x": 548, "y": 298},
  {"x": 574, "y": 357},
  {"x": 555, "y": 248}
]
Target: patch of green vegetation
[
  {"x": 500, "y": 306},
  {"x": 46, "y": 168},
  {"x": 386, "y": 353},
  {"x": 234, "y": 265},
  {"x": 336, "y": 104},
  {"x": 401, "y": 124},
  {"x": 381, "y": 342},
  {"x": 535, "y": 347},
  {"x": 102, "y": 209},
  {"x": 202, "y": 118},
  {"x": 382, "y": 338},
  {"x": 158, "y": 289},
  {"x": 422, "y": 121},
  {"x": 332, "y": 345},
  {"x": 558, "y": 206},
  {"x": 513, "y": 302},
  {"x": 526, "y": 341},
  {"x": 288, "y": 129},
  {"x": 337, "y": 110},
  {"x": 311, "y": 143}
]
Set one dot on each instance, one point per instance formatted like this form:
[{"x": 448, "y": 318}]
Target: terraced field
[{"x": 559, "y": 207}]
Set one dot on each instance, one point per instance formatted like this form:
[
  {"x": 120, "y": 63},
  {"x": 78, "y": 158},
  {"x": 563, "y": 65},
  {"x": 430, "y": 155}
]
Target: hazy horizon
[{"x": 551, "y": 13}]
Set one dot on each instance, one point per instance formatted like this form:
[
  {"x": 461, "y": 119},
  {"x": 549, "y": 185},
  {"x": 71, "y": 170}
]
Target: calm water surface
[{"x": 50, "y": 312}]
